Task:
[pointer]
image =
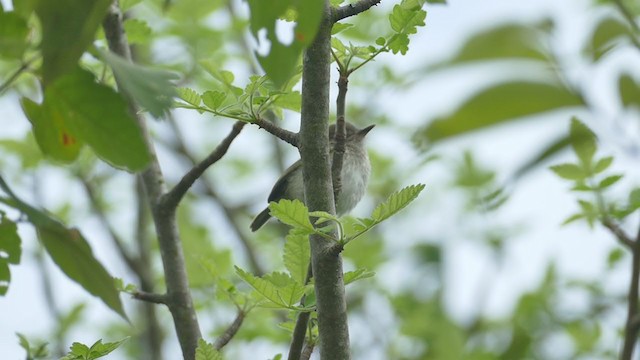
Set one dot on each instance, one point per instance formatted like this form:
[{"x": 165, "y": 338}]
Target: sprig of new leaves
[
  {"x": 588, "y": 176},
  {"x": 284, "y": 290},
  {"x": 404, "y": 20}
]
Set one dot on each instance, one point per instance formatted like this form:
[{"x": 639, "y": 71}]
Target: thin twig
[
  {"x": 172, "y": 198},
  {"x": 231, "y": 331},
  {"x": 24, "y": 67},
  {"x": 300, "y": 329},
  {"x": 308, "y": 350},
  {"x": 352, "y": 9},
  {"x": 339, "y": 136},
  {"x": 620, "y": 234},
  {"x": 151, "y": 297},
  {"x": 631, "y": 328},
  {"x": 230, "y": 213},
  {"x": 283, "y": 134}
]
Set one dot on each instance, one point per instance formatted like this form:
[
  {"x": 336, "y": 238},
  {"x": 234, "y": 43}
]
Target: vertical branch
[
  {"x": 179, "y": 299},
  {"x": 339, "y": 139},
  {"x": 632, "y": 325},
  {"x": 318, "y": 188},
  {"x": 300, "y": 330}
]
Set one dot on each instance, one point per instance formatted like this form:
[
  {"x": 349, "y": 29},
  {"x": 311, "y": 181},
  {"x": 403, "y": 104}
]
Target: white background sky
[{"x": 540, "y": 201}]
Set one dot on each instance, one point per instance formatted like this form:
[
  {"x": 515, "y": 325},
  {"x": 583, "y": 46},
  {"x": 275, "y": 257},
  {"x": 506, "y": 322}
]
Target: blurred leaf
[
  {"x": 206, "y": 351},
  {"x": 83, "y": 110},
  {"x": 71, "y": 252},
  {"x": 52, "y": 131},
  {"x": 308, "y": 21},
  {"x": 505, "y": 41},
  {"x": 26, "y": 150},
  {"x": 585, "y": 335},
  {"x": 615, "y": 256},
  {"x": 499, "y": 104},
  {"x": 569, "y": 171},
  {"x": 152, "y": 89},
  {"x": 634, "y": 199},
  {"x": 573, "y": 218},
  {"x": 608, "y": 181},
  {"x": 604, "y": 37},
  {"x": 547, "y": 152},
  {"x": 33, "y": 352},
  {"x": 602, "y": 164},
  {"x": 68, "y": 27},
  {"x": 469, "y": 175},
  {"x": 281, "y": 62},
  {"x": 292, "y": 213},
  {"x": 296, "y": 256},
  {"x": 10, "y": 251},
  {"x": 289, "y": 101},
  {"x": 13, "y": 35},
  {"x": 629, "y": 91},
  {"x": 340, "y": 26},
  {"x": 583, "y": 141}
]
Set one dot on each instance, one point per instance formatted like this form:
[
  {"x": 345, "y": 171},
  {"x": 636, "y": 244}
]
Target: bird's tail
[{"x": 260, "y": 219}]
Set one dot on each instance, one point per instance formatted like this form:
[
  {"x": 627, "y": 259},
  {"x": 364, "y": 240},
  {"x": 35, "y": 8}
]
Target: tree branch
[
  {"x": 231, "y": 331},
  {"x": 24, "y": 67},
  {"x": 172, "y": 198},
  {"x": 632, "y": 326},
  {"x": 178, "y": 297},
  {"x": 352, "y": 9},
  {"x": 300, "y": 330},
  {"x": 318, "y": 189},
  {"x": 339, "y": 137},
  {"x": 151, "y": 297},
  {"x": 622, "y": 236},
  {"x": 283, "y": 134},
  {"x": 230, "y": 213}
]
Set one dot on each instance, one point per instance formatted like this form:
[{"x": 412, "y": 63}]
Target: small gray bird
[{"x": 354, "y": 176}]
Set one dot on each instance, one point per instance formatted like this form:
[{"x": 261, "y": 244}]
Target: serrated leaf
[
  {"x": 285, "y": 294},
  {"x": 190, "y": 96},
  {"x": 405, "y": 20},
  {"x": 213, "y": 99},
  {"x": 206, "y": 351},
  {"x": 602, "y": 164},
  {"x": 138, "y": 31},
  {"x": 359, "y": 274},
  {"x": 293, "y": 213},
  {"x": 296, "y": 256},
  {"x": 608, "y": 181},
  {"x": 583, "y": 141},
  {"x": 518, "y": 99},
  {"x": 152, "y": 89},
  {"x": 396, "y": 202},
  {"x": 399, "y": 44},
  {"x": 569, "y": 171}
]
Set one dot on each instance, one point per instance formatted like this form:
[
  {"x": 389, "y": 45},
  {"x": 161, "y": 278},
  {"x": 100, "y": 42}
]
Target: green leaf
[
  {"x": 152, "y": 89},
  {"x": 614, "y": 257},
  {"x": 138, "y": 31},
  {"x": 290, "y": 101},
  {"x": 405, "y": 19},
  {"x": 80, "y": 351},
  {"x": 281, "y": 62},
  {"x": 573, "y": 218},
  {"x": 10, "y": 251},
  {"x": 296, "y": 256},
  {"x": 634, "y": 199},
  {"x": 608, "y": 181},
  {"x": 293, "y": 213},
  {"x": 94, "y": 114},
  {"x": 280, "y": 290},
  {"x": 189, "y": 96},
  {"x": 33, "y": 352},
  {"x": 629, "y": 91},
  {"x": 213, "y": 99},
  {"x": 396, "y": 202},
  {"x": 70, "y": 251},
  {"x": 359, "y": 274},
  {"x": 339, "y": 27},
  {"x": 399, "y": 44},
  {"x": 308, "y": 22},
  {"x": 569, "y": 171},
  {"x": 506, "y": 41},
  {"x": 605, "y": 36},
  {"x": 583, "y": 141},
  {"x": 68, "y": 27},
  {"x": 602, "y": 164},
  {"x": 551, "y": 149},
  {"x": 206, "y": 351},
  {"x": 13, "y": 35},
  {"x": 52, "y": 132},
  {"x": 517, "y": 99}
]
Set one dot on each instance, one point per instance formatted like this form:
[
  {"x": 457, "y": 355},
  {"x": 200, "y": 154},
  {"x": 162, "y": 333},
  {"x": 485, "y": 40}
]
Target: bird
[{"x": 356, "y": 169}]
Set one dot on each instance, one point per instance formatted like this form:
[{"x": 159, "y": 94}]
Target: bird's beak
[{"x": 365, "y": 131}]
